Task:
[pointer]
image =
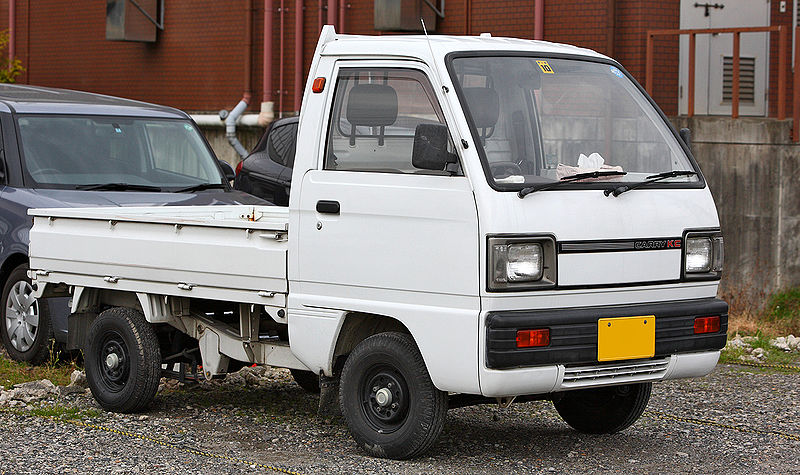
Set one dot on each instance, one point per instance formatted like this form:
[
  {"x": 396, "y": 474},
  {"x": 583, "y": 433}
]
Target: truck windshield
[
  {"x": 77, "y": 152},
  {"x": 539, "y": 120}
]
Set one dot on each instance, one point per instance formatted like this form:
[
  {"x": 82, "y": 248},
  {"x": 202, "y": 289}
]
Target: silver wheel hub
[
  {"x": 112, "y": 361},
  {"x": 383, "y": 397},
  {"x": 22, "y": 316}
]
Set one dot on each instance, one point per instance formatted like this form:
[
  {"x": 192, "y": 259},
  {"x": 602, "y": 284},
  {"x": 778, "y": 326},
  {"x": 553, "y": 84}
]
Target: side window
[
  {"x": 374, "y": 119},
  {"x": 282, "y": 144}
]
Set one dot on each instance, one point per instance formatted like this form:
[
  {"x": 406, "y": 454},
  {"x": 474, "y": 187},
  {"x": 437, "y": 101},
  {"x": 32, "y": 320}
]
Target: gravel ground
[{"x": 274, "y": 423}]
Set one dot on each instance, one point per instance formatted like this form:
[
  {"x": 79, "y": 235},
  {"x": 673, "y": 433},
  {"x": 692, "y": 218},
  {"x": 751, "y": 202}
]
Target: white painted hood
[{"x": 589, "y": 215}]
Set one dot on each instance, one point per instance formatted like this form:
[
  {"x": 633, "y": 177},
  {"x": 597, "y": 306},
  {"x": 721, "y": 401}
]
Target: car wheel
[
  {"x": 604, "y": 410},
  {"x": 391, "y": 407},
  {"x": 306, "y": 380},
  {"x": 26, "y": 329},
  {"x": 123, "y": 360}
]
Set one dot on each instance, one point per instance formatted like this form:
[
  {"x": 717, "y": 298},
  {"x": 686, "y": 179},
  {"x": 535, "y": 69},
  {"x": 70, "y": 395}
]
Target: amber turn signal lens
[
  {"x": 318, "y": 85},
  {"x": 706, "y": 325},
  {"x": 529, "y": 338}
]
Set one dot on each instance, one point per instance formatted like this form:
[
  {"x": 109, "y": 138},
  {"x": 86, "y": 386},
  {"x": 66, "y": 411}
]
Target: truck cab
[
  {"x": 471, "y": 220},
  {"x": 505, "y": 245}
]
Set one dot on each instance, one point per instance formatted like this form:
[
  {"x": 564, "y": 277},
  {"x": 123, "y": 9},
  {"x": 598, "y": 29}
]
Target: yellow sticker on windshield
[{"x": 545, "y": 66}]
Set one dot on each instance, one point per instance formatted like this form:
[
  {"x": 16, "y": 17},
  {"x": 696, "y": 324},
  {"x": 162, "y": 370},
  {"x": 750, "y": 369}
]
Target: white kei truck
[{"x": 471, "y": 220}]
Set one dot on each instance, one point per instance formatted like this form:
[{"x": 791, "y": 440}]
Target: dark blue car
[{"x": 72, "y": 149}]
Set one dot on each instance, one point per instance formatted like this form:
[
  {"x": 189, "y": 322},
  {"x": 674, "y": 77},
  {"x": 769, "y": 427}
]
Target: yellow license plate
[{"x": 626, "y": 338}]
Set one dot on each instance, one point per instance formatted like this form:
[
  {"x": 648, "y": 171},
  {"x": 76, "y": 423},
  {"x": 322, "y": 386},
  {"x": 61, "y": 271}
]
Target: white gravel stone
[{"x": 78, "y": 379}]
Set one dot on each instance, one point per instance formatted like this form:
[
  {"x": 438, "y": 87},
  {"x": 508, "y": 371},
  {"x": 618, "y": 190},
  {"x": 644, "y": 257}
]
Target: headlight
[
  {"x": 703, "y": 255},
  {"x": 518, "y": 262},
  {"x": 698, "y": 254}
]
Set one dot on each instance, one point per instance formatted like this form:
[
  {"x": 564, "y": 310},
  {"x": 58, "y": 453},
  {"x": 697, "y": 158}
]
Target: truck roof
[
  {"x": 44, "y": 100},
  {"x": 417, "y": 46}
]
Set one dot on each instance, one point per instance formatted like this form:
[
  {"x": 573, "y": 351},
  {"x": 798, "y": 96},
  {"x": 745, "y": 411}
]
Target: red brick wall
[
  {"x": 578, "y": 22},
  {"x": 633, "y": 19},
  {"x": 198, "y": 62}
]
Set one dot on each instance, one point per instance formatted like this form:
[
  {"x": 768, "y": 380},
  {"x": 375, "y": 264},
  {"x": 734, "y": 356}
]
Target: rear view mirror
[
  {"x": 227, "y": 169},
  {"x": 430, "y": 147},
  {"x": 686, "y": 136}
]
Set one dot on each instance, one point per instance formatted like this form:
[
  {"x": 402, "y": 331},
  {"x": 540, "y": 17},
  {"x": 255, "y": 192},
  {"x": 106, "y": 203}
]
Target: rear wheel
[
  {"x": 25, "y": 328},
  {"x": 306, "y": 380},
  {"x": 604, "y": 410},
  {"x": 391, "y": 407},
  {"x": 123, "y": 360}
]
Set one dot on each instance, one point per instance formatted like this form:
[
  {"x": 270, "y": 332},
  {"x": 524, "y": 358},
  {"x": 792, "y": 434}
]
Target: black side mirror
[
  {"x": 430, "y": 147},
  {"x": 227, "y": 169},
  {"x": 686, "y": 136}
]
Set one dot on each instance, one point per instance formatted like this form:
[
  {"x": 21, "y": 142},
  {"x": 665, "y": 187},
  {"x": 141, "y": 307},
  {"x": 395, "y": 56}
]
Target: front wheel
[
  {"x": 391, "y": 407},
  {"x": 604, "y": 410},
  {"x": 123, "y": 360},
  {"x": 25, "y": 328}
]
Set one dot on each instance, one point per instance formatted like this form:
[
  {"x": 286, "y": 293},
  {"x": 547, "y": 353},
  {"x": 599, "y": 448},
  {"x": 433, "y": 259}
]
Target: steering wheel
[{"x": 504, "y": 169}]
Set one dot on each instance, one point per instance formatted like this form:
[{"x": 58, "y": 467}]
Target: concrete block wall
[{"x": 753, "y": 171}]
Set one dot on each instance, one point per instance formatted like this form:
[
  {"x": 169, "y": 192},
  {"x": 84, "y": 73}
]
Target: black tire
[
  {"x": 391, "y": 361},
  {"x": 25, "y": 326},
  {"x": 604, "y": 410},
  {"x": 131, "y": 384},
  {"x": 306, "y": 380}
]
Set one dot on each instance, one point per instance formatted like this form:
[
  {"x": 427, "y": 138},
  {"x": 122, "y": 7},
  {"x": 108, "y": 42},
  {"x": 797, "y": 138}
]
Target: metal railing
[{"x": 783, "y": 62}]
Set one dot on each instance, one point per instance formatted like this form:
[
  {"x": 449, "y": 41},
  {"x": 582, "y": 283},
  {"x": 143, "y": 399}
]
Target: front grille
[{"x": 595, "y": 375}]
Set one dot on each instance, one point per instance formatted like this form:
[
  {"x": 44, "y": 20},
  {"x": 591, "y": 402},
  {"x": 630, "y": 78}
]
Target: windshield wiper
[
  {"x": 650, "y": 179},
  {"x": 201, "y": 187},
  {"x": 568, "y": 179},
  {"x": 117, "y": 187}
]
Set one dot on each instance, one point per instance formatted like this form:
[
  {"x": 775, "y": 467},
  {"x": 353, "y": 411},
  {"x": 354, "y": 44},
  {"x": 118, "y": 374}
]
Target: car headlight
[
  {"x": 703, "y": 255},
  {"x": 698, "y": 254},
  {"x": 520, "y": 262}
]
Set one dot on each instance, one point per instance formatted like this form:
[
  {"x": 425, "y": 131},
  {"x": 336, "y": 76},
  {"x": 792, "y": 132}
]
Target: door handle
[{"x": 327, "y": 207}]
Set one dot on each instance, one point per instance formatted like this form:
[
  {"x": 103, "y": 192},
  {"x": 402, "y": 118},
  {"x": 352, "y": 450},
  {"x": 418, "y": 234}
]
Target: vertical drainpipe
[
  {"x": 298, "y": 53},
  {"x": 538, "y": 20},
  {"x": 280, "y": 63},
  {"x": 230, "y": 120},
  {"x": 248, "y": 49},
  {"x": 320, "y": 15},
  {"x": 267, "y": 113},
  {"x": 12, "y": 30},
  {"x": 332, "y": 12},
  {"x": 468, "y": 17},
  {"x": 342, "y": 7}
]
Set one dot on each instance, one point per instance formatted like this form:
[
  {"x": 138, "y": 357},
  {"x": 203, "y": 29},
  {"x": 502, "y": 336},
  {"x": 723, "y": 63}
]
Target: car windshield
[
  {"x": 80, "y": 151},
  {"x": 539, "y": 120}
]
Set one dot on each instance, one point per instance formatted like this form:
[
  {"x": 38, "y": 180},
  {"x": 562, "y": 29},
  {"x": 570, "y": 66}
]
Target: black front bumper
[{"x": 573, "y": 331}]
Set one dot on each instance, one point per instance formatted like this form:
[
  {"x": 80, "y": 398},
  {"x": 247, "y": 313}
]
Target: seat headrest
[
  {"x": 484, "y": 104},
  {"x": 372, "y": 105}
]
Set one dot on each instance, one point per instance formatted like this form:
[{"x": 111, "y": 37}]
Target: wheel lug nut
[
  {"x": 394, "y": 405},
  {"x": 374, "y": 389},
  {"x": 389, "y": 385}
]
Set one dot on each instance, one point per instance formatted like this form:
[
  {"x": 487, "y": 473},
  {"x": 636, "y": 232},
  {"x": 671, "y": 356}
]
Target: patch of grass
[
  {"x": 56, "y": 370},
  {"x": 65, "y": 413},
  {"x": 783, "y": 310}
]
